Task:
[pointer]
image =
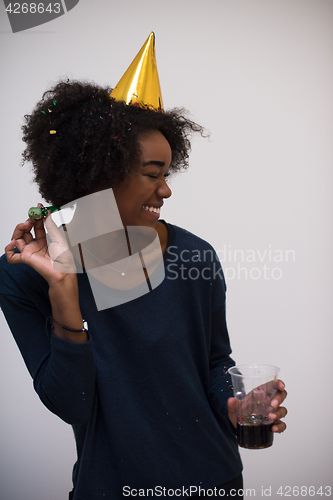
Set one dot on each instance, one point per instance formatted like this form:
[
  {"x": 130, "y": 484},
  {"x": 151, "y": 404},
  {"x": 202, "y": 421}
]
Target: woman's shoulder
[{"x": 187, "y": 239}]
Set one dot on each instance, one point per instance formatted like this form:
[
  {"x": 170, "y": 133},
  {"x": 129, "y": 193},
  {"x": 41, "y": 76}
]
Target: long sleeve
[
  {"x": 221, "y": 387},
  {"x": 63, "y": 371},
  {"x": 220, "y": 361}
]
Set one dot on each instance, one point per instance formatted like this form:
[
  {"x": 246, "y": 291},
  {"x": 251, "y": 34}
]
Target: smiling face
[{"x": 140, "y": 197}]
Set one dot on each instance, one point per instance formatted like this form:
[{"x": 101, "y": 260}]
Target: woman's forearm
[{"x": 64, "y": 297}]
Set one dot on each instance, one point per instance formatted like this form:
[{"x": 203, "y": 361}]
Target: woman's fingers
[
  {"x": 23, "y": 241},
  {"x": 11, "y": 256},
  {"x": 62, "y": 257},
  {"x": 39, "y": 229},
  {"x": 279, "y": 426},
  {"x": 278, "y": 411},
  {"x": 21, "y": 237},
  {"x": 279, "y": 398},
  {"x": 54, "y": 232},
  {"x": 281, "y": 412},
  {"x": 281, "y": 387},
  {"x": 50, "y": 259},
  {"x": 23, "y": 230}
]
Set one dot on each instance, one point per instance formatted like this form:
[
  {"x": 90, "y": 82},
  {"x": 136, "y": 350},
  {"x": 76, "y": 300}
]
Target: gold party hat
[{"x": 140, "y": 85}]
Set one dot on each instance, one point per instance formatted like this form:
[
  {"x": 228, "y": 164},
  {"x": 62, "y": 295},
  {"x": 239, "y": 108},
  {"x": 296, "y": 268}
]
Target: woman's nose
[{"x": 164, "y": 190}]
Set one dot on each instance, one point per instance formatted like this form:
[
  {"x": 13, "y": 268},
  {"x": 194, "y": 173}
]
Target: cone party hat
[{"x": 140, "y": 85}]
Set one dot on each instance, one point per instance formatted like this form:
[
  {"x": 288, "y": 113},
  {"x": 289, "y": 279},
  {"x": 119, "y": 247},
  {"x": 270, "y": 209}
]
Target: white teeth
[{"x": 152, "y": 209}]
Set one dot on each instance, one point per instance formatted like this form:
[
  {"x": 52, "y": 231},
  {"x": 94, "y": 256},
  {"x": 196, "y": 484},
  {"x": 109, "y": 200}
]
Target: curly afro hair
[{"x": 80, "y": 140}]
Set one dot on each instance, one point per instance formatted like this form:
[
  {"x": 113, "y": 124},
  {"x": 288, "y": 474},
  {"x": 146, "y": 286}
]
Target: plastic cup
[{"x": 254, "y": 388}]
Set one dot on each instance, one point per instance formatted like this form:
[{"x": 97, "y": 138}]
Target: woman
[{"x": 146, "y": 390}]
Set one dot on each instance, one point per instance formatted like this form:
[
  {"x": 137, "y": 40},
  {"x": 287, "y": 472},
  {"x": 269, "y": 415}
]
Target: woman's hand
[
  {"x": 54, "y": 261},
  {"x": 275, "y": 416}
]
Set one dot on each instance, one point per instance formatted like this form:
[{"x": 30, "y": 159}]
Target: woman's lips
[{"x": 153, "y": 211}]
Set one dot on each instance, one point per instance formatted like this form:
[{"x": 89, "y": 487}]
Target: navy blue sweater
[{"x": 146, "y": 395}]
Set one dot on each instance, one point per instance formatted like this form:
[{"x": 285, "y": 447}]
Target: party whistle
[{"x": 38, "y": 213}]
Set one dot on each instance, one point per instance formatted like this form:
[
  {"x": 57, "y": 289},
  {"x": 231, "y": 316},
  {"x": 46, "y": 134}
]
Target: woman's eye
[{"x": 156, "y": 176}]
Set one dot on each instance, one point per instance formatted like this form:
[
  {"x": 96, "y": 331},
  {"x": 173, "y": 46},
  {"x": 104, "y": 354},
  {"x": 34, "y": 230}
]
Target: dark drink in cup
[{"x": 254, "y": 432}]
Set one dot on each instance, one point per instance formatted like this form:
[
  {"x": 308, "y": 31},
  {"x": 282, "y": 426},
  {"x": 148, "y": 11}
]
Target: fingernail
[
  {"x": 272, "y": 416},
  {"x": 275, "y": 403}
]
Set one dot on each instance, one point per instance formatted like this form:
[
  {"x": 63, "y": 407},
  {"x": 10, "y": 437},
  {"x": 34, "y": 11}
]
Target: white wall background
[{"x": 258, "y": 75}]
